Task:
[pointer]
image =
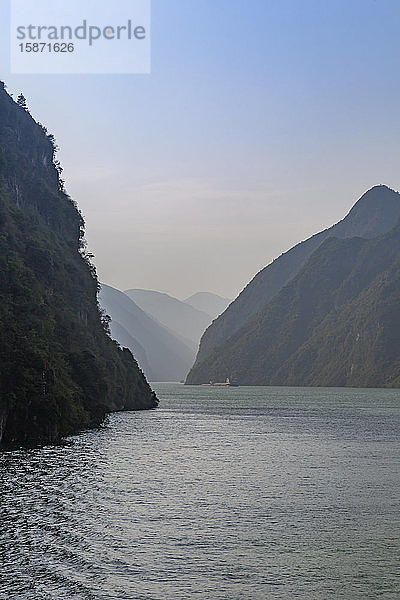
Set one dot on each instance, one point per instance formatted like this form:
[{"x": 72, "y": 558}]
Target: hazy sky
[{"x": 261, "y": 123}]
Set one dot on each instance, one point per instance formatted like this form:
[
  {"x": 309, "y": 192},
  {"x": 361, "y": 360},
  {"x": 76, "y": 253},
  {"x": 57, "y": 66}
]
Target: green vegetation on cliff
[
  {"x": 376, "y": 212},
  {"x": 59, "y": 369},
  {"x": 335, "y": 324}
]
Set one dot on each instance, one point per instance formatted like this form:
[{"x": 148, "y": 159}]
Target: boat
[{"x": 227, "y": 383}]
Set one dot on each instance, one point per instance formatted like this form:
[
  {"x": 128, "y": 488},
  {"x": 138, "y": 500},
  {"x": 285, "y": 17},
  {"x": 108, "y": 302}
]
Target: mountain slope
[
  {"x": 184, "y": 320},
  {"x": 167, "y": 357},
  {"x": 59, "y": 369},
  {"x": 126, "y": 340},
  {"x": 212, "y": 304},
  {"x": 335, "y": 323},
  {"x": 376, "y": 212}
]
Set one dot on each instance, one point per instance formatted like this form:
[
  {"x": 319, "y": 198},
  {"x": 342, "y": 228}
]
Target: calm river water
[{"x": 220, "y": 494}]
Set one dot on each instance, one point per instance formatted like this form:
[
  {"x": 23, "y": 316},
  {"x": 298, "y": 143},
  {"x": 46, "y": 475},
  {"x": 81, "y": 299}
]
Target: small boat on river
[{"x": 227, "y": 383}]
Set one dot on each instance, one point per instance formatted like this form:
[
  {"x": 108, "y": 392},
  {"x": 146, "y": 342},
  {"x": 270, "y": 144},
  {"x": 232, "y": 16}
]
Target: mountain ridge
[
  {"x": 321, "y": 329},
  {"x": 208, "y": 302},
  {"x": 180, "y": 318},
  {"x": 376, "y": 211}
]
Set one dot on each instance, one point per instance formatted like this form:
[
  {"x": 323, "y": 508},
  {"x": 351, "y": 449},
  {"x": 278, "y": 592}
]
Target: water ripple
[{"x": 246, "y": 493}]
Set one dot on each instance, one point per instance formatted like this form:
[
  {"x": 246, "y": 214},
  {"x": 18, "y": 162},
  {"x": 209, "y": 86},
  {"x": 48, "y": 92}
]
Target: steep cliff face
[
  {"x": 59, "y": 369},
  {"x": 334, "y": 324},
  {"x": 376, "y": 212}
]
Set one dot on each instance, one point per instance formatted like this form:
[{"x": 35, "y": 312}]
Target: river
[{"x": 219, "y": 494}]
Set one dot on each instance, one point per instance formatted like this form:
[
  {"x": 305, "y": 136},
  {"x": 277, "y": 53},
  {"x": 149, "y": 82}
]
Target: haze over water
[{"x": 240, "y": 493}]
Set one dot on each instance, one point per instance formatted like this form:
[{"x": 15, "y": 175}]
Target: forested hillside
[
  {"x": 59, "y": 369},
  {"x": 335, "y": 324},
  {"x": 376, "y": 212}
]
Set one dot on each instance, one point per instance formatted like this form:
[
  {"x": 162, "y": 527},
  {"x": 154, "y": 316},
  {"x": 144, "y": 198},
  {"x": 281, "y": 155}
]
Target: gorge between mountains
[
  {"x": 322, "y": 314},
  {"x": 200, "y": 301}
]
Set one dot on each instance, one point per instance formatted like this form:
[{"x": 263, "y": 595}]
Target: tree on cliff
[{"x": 21, "y": 101}]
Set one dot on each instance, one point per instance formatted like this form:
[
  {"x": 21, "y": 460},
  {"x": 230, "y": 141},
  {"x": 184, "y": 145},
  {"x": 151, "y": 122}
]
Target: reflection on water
[{"x": 240, "y": 493}]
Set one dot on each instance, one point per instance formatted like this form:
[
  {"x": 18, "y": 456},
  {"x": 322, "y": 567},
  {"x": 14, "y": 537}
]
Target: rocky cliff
[{"x": 59, "y": 369}]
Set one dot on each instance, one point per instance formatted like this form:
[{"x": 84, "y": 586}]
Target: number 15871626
[{"x": 46, "y": 47}]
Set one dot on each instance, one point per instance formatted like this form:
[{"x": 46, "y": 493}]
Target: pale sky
[{"x": 261, "y": 123}]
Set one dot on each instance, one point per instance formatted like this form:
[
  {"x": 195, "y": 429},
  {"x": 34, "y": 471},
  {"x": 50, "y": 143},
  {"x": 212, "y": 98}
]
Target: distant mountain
[
  {"x": 161, "y": 355},
  {"x": 335, "y": 324},
  {"x": 186, "y": 322},
  {"x": 212, "y": 304},
  {"x": 377, "y": 211}
]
